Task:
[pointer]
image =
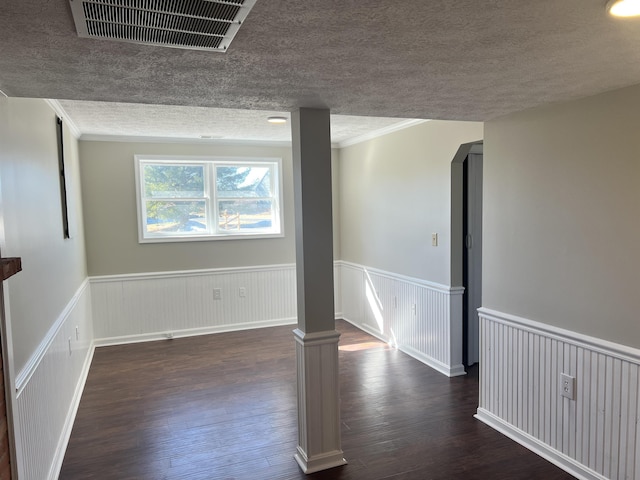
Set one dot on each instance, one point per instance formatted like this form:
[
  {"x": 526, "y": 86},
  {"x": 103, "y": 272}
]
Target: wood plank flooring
[{"x": 224, "y": 407}]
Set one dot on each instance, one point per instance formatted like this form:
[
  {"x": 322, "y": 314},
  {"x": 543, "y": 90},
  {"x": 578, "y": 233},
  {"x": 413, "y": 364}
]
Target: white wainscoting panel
[
  {"x": 318, "y": 401},
  {"x": 337, "y": 288},
  {"x": 420, "y": 318},
  {"x": 141, "y": 307},
  {"x": 595, "y": 436},
  {"x": 50, "y": 387}
]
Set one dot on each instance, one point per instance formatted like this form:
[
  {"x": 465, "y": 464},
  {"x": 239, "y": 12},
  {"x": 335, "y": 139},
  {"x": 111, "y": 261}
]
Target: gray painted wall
[
  {"x": 395, "y": 191},
  {"x": 53, "y": 268},
  {"x": 561, "y": 219},
  {"x": 107, "y": 170},
  {"x": 109, "y": 199}
]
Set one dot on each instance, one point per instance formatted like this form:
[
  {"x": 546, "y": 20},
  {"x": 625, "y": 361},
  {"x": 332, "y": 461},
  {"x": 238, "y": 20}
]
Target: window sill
[{"x": 211, "y": 238}]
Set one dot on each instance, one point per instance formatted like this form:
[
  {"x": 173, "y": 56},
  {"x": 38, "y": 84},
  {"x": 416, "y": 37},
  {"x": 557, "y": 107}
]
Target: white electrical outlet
[
  {"x": 217, "y": 294},
  {"x": 242, "y": 291},
  {"x": 434, "y": 239},
  {"x": 69, "y": 345},
  {"x": 568, "y": 386},
  {"x": 413, "y": 308},
  {"x": 77, "y": 333}
]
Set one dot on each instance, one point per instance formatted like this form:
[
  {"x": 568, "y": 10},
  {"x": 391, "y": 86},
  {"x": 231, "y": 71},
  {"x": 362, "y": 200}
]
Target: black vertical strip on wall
[{"x": 63, "y": 181}]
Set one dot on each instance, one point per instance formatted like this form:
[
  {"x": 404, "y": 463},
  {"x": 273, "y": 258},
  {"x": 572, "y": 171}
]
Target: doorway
[{"x": 472, "y": 253}]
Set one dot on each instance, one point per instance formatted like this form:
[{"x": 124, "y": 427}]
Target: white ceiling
[
  {"x": 439, "y": 59},
  {"x": 126, "y": 121}
]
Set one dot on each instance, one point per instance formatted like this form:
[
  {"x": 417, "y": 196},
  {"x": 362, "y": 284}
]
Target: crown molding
[
  {"x": 378, "y": 133},
  {"x": 57, "y": 107},
  {"x": 73, "y": 128},
  {"x": 203, "y": 141}
]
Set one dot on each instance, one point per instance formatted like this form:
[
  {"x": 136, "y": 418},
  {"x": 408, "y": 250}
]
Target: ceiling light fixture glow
[
  {"x": 624, "y": 8},
  {"x": 277, "y": 120}
]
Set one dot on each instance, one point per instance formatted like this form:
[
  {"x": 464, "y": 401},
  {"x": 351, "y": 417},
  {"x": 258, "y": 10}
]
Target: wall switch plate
[
  {"x": 568, "y": 386},
  {"x": 217, "y": 293},
  {"x": 434, "y": 239}
]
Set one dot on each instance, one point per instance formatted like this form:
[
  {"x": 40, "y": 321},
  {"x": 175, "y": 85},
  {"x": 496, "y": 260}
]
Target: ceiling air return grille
[{"x": 192, "y": 24}]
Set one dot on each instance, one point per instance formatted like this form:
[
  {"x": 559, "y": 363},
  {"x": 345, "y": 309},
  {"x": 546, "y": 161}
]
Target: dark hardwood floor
[{"x": 224, "y": 407}]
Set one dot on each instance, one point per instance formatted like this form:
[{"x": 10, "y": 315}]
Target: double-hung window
[{"x": 195, "y": 198}]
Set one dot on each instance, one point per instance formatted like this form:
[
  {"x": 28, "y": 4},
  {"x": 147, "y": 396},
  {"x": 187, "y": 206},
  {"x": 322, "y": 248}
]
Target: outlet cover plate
[{"x": 568, "y": 386}]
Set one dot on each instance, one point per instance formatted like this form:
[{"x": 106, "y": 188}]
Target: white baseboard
[
  {"x": 557, "y": 458},
  {"x": 319, "y": 462},
  {"x": 431, "y": 362},
  {"x": 191, "y": 332},
  {"x": 449, "y": 371}
]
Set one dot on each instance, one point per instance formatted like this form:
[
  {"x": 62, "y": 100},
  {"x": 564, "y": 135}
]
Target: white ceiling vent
[{"x": 192, "y": 24}]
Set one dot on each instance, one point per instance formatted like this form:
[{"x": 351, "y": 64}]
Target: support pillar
[{"x": 319, "y": 445}]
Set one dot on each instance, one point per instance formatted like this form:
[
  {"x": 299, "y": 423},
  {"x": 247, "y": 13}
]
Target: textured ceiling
[
  {"x": 164, "y": 122},
  {"x": 463, "y": 59}
]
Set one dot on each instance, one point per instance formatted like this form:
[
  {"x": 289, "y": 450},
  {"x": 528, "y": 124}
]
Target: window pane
[
  {"x": 243, "y": 181},
  {"x": 165, "y": 217},
  {"x": 173, "y": 181},
  {"x": 247, "y": 215}
]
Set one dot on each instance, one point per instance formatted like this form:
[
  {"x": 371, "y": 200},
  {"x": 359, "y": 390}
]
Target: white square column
[
  {"x": 319, "y": 445},
  {"x": 318, "y": 401}
]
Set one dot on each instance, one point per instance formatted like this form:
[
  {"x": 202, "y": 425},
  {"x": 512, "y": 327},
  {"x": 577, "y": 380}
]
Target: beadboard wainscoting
[
  {"x": 595, "y": 436},
  {"x": 152, "y": 306},
  {"x": 49, "y": 390},
  {"x": 318, "y": 401},
  {"x": 420, "y": 318}
]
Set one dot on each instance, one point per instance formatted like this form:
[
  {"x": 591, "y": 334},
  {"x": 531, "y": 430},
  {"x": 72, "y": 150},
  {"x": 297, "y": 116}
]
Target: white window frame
[{"x": 210, "y": 198}]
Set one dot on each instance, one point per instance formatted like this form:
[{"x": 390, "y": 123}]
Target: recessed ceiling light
[
  {"x": 276, "y": 119},
  {"x": 624, "y": 8}
]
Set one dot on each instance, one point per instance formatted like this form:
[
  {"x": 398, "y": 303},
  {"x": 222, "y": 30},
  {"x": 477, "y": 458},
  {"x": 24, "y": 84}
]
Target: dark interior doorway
[{"x": 472, "y": 253}]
